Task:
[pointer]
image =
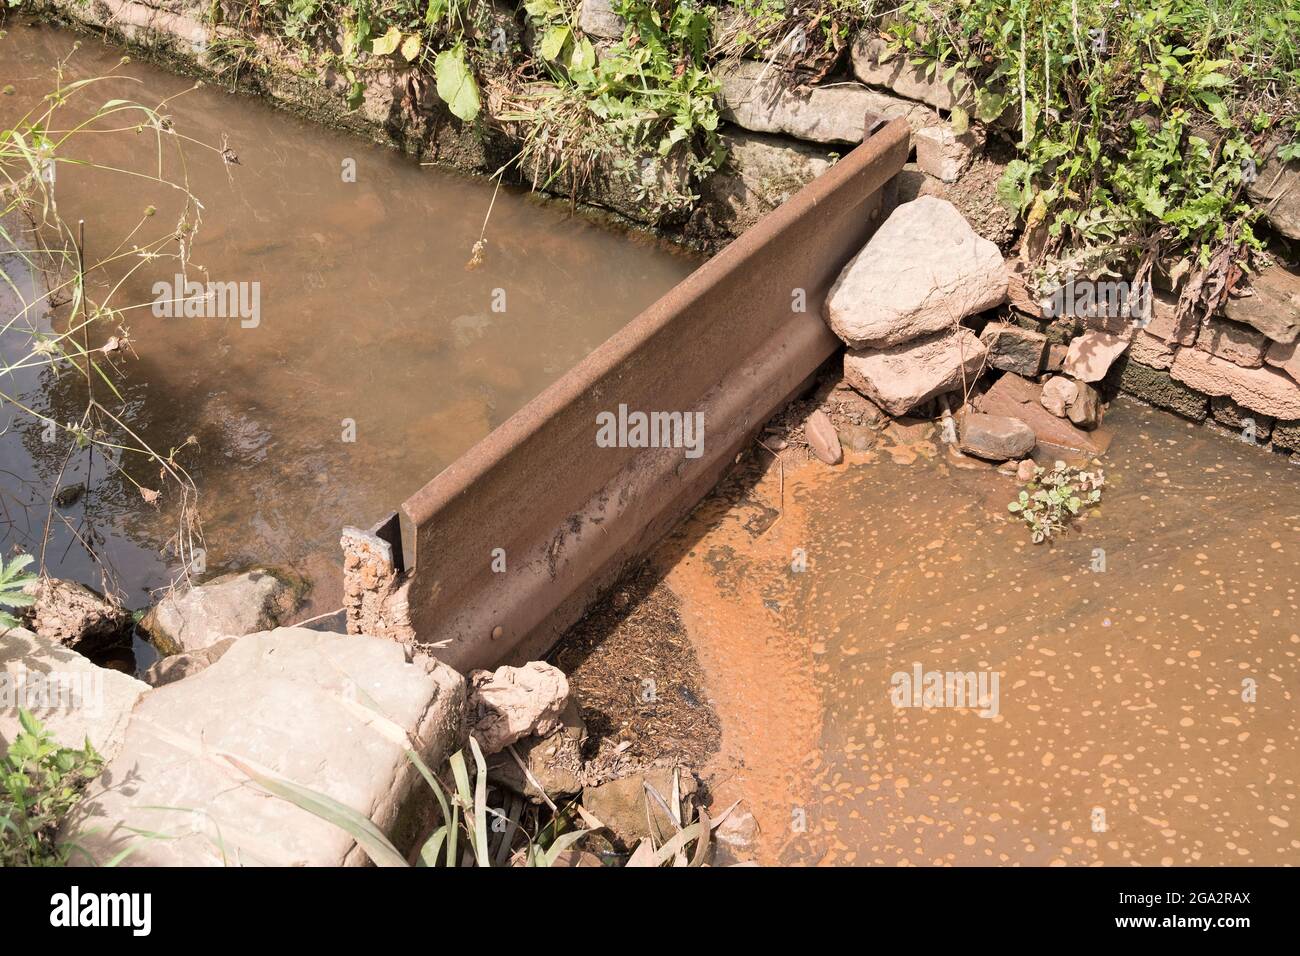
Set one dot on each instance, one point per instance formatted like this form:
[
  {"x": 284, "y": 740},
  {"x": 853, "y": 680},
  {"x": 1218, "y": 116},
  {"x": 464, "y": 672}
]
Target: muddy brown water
[
  {"x": 1146, "y": 707},
  {"x": 369, "y": 322}
]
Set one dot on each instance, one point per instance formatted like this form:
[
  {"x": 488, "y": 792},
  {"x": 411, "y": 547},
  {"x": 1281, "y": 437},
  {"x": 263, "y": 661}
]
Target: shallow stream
[{"x": 375, "y": 358}]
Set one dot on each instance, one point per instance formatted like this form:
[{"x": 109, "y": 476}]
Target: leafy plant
[
  {"x": 12, "y": 581},
  {"x": 40, "y": 782},
  {"x": 645, "y": 106},
  {"x": 1139, "y": 124},
  {"x": 456, "y": 84},
  {"x": 1053, "y": 498}
]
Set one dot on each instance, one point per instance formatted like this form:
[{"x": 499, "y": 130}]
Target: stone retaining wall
[{"x": 1238, "y": 366}]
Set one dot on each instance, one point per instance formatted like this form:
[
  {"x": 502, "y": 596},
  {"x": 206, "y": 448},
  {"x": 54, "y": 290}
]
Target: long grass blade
[{"x": 357, "y": 825}]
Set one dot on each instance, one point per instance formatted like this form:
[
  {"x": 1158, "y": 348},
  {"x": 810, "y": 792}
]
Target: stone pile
[{"x": 1034, "y": 382}]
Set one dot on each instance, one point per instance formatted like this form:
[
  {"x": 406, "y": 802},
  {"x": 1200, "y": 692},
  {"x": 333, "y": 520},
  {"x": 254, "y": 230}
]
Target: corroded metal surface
[{"x": 517, "y": 537}]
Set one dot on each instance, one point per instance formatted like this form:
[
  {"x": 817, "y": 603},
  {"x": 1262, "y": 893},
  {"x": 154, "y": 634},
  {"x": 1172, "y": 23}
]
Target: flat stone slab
[
  {"x": 1015, "y": 397},
  {"x": 1233, "y": 342},
  {"x": 1286, "y": 357},
  {"x": 903, "y": 376},
  {"x": 1091, "y": 355},
  {"x": 754, "y": 97},
  {"x": 330, "y": 712},
  {"x": 873, "y": 64},
  {"x": 760, "y": 173},
  {"x": 1164, "y": 321},
  {"x": 1264, "y": 390},
  {"x": 995, "y": 437},
  {"x": 1277, "y": 188},
  {"x": 1151, "y": 350},
  {"x": 1157, "y": 386},
  {"x": 72, "y": 697},
  {"x": 1273, "y": 307}
]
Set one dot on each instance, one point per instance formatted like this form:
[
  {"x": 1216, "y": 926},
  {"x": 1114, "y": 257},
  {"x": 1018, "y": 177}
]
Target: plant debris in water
[
  {"x": 1053, "y": 499},
  {"x": 634, "y": 672}
]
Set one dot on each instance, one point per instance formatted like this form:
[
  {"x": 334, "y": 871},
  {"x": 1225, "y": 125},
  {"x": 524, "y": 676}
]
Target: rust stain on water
[{"x": 1144, "y": 713}]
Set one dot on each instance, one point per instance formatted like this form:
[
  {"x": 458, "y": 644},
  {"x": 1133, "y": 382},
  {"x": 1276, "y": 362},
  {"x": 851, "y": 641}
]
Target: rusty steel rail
[{"x": 569, "y": 516}]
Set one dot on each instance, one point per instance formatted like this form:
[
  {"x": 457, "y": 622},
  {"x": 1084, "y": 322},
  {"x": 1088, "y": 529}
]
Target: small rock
[
  {"x": 622, "y": 804},
  {"x": 512, "y": 703},
  {"x": 1055, "y": 358},
  {"x": 227, "y": 606},
  {"x": 739, "y": 832},
  {"x": 943, "y": 154},
  {"x": 923, "y": 271},
  {"x": 597, "y": 18},
  {"x": 995, "y": 437},
  {"x": 1085, "y": 409},
  {"x": 1058, "y": 393},
  {"x": 858, "y": 437},
  {"x": 1026, "y": 470},
  {"x": 1091, "y": 355},
  {"x": 822, "y": 439},
  {"x": 1014, "y": 349},
  {"x": 1018, "y": 290},
  {"x": 76, "y": 616},
  {"x": 555, "y": 761}
]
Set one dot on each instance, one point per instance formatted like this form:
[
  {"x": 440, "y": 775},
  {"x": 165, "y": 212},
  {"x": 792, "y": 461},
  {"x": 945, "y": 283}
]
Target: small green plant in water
[
  {"x": 1052, "y": 499},
  {"x": 40, "y": 782}
]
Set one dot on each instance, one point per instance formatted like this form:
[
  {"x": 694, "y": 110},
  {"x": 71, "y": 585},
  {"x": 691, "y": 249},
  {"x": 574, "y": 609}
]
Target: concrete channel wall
[{"x": 564, "y": 516}]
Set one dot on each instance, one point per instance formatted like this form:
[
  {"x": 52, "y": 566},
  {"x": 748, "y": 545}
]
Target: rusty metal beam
[{"x": 570, "y": 516}]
